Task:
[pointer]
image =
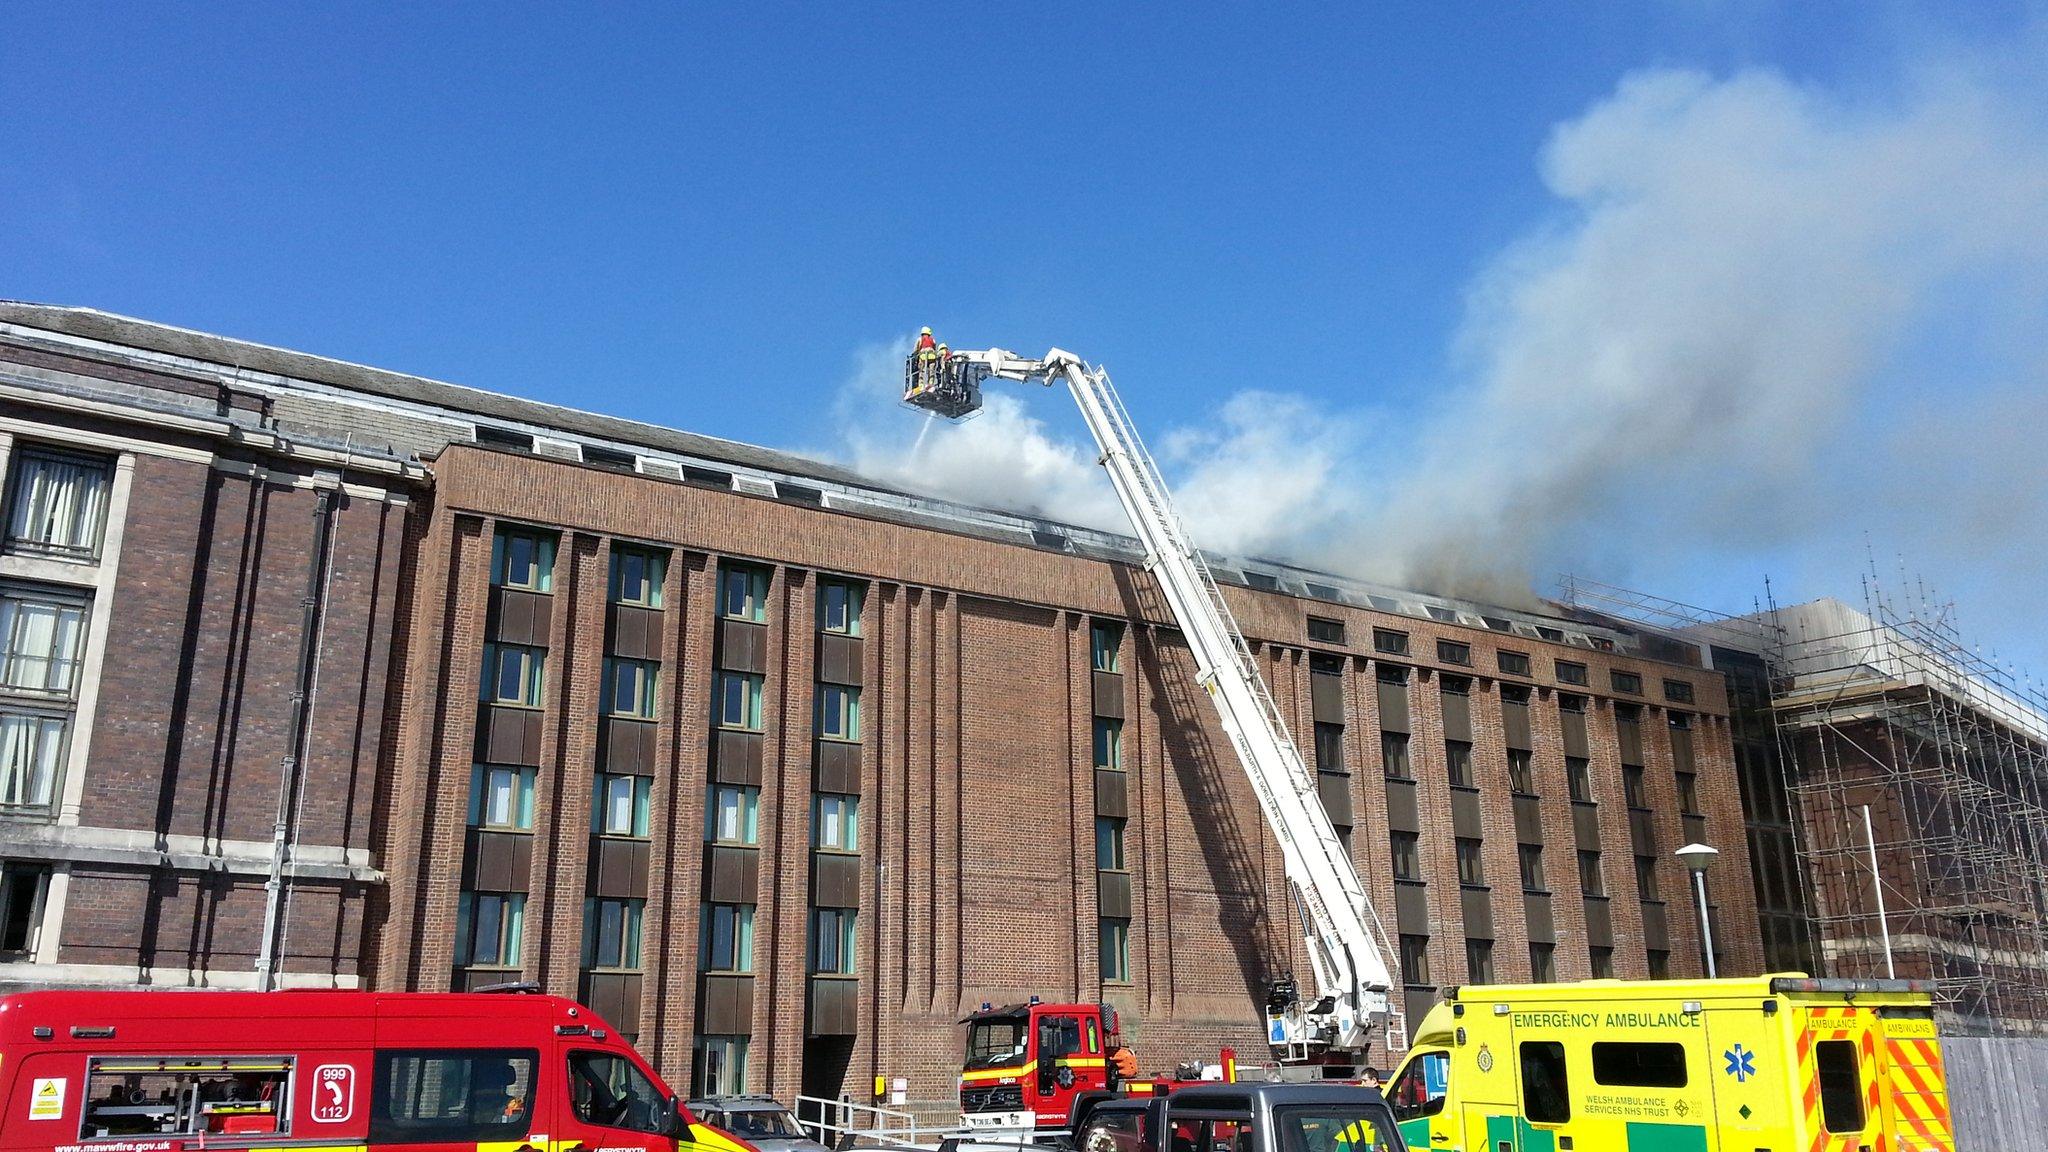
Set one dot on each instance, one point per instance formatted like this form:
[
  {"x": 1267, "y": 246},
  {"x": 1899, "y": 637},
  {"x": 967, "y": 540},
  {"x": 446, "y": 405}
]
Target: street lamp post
[{"x": 1697, "y": 857}]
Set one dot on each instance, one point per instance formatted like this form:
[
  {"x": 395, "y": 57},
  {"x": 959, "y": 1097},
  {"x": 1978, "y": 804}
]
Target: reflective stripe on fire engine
[
  {"x": 981, "y": 1074},
  {"x": 706, "y": 1137}
]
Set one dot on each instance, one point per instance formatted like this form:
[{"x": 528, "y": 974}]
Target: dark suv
[{"x": 1245, "y": 1117}]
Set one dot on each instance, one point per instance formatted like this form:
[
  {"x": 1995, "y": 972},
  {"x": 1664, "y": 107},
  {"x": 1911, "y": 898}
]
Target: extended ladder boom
[{"x": 1345, "y": 947}]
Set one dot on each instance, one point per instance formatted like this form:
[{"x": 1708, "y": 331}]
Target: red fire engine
[{"x": 167, "y": 1071}]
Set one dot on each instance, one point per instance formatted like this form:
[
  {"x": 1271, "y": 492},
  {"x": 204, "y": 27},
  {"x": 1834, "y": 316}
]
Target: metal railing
[{"x": 841, "y": 1123}]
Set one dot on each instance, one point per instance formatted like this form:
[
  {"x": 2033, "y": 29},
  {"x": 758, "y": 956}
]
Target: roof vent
[
  {"x": 559, "y": 449},
  {"x": 1438, "y": 612},
  {"x": 1262, "y": 581},
  {"x": 1383, "y": 603},
  {"x": 798, "y": 494},
  {"x": 1322, "y": 591},
  {"x": 708, "y": 477},
  {"x": 503, "y": 438},
  {"x": 1045, "y": 539},
  {"x": 666, "y": 469},
  {"x": 754, "y": 486},
  {"x": 608, "y": 458},
  {"x": 1498, "y": 624}
]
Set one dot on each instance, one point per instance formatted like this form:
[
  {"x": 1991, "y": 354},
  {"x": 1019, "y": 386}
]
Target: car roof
[
  {"x": 1197, "y": 1095},
  {"x": 739, "y": 1103}
]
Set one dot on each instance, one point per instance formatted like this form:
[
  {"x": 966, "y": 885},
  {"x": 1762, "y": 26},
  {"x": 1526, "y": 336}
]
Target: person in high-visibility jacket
[{"x": 926, "y": 358}]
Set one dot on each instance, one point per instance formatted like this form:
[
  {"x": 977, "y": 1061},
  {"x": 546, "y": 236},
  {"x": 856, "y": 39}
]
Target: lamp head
[{"x": 1697, "y": 857}]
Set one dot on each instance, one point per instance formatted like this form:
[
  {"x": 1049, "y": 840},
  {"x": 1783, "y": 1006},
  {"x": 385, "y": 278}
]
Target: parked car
[{"x": 759, "y": 1120}]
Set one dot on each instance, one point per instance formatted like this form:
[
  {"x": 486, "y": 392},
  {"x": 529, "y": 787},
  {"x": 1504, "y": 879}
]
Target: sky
[{"x": 1679, "y": 296}]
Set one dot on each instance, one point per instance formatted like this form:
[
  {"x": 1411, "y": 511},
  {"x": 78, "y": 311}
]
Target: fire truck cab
[
  {"x": 164, "y": 1071},
  {"x": 1036, "y": 1066}
]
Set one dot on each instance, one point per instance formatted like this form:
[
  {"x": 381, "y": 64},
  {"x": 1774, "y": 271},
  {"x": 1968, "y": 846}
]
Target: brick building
[{"x": 783, "y": 770}]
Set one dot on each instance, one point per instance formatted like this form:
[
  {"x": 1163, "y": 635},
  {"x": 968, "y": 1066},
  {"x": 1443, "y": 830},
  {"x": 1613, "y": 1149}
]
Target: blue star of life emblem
[{"x": 1741, "y": 1063}]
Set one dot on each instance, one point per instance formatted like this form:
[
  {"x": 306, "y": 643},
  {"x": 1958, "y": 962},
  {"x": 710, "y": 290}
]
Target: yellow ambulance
[{"x": 1782, "y": 1063}]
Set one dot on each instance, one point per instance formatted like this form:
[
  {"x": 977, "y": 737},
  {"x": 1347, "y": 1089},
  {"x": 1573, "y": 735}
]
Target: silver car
[{"x": 759, "y": 1120}]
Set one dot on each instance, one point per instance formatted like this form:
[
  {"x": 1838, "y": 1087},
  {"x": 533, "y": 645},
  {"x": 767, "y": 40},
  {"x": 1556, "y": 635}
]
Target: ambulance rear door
[
  {"x": 1839, "y": 1073},
  {"x": 1915, "y": 1083}
]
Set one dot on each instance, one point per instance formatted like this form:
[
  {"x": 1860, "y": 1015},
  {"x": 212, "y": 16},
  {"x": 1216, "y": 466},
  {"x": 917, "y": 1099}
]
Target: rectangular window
[
  {"x": 1471, "y": 867},
  {"x": 1660, "y": 964},
  {"x": 489, "y": 927},
  {"x": 41, "y": 641},
  {"x": 611, "y": 933},
  {"x": 734, "y": 815},
  {"x": 1458, "y": 760},
  {"x": 1571, "y": 672},
  {"x": 1479, "y": 961},
  {"x": 839, "y": 605},
  {"x": 523, "y": 559},
  {"x": 58, "y": 502},
  {"x": 1679, "y": 691},
  {"x": 1568, "y": 702},
  {"x": 630, "y": 687},
  {"x": 637, "y": 575},
  {"x": 1514, "y": 663},
  {"x": 838, "y": 712},
  {"x": 1407, "y": 856},
  {"x": 514, "y": 674},
  {"x": 1415, "y": 960},
  {"x": 1330, "y": 748},
  {"x": 1105, "y": 646},
  {"x": 1546, "y": 1093},
  {"x": 1454, "y": 652},
  {"x": 1688, "y": 793},
  {"x": 833, "y": 943},
  {"x": 451, "y": 1096},
  {"x": 1530, "y": 856},
  {"x": 1602, "y": 959},
  {"x": 31, "y": 759},
  {"x": 1521, "y": 771},
  {"x": 1637, "y": 1064},
  {"x": 835, "y": 822},
  {"x": 1323, "y": 631},
  {"x": 1109, "y": 743},
  {"x": 1115, "y": 932},
  {"x": 621, "y": 805},
  {"x": 1109, "y": 843},
  {"x": 1646, "y": 878},
  {"x": 1591, "y": 883},
  {"x": 1542, "y": 962},
  {"x": 1841, "y": 1086},
  {"x": 739, "y": 700},
  {"x": 22, "y": 888},
  {"x": 1633, "y": 787},
  {"x": 727, "y": 938},
  {"x": 501, "y": 797},
  {"x": 1626, "y": 682},
  {"x": 1389, "y": 642},
  {"x": 1394, "y": 754},
  {"x": 743, "y": 594},
  {"x": 1578, "y": 774},
  {"x": 156, "y": 1097},
  {"x": 721, "y": 1066}
]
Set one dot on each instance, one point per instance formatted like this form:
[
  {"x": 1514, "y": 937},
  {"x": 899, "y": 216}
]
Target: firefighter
[{"x": 927, "y": 362}]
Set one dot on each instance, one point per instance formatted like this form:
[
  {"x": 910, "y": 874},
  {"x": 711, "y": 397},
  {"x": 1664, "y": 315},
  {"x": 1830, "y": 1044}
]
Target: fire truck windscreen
[{"x": 997, "y": 1043}]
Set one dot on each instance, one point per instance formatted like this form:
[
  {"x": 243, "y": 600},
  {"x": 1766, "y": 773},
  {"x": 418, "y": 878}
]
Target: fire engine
[{"x": 328, "y": 1071}]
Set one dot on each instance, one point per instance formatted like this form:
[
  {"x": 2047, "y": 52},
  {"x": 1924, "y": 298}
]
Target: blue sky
[{"x": 1432, "y": 292}]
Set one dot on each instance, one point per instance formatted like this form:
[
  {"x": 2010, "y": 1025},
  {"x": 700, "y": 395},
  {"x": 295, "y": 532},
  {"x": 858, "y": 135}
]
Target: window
[
  {"x": 1109, "y": 743},
  {"x": 727, "y": 938},
  {"x": 1116, "y": 949},
  {"x": 1646, "y": 877},
  {"x": 31, "y": 757},
  {"x": 180, "y": 1096},
  {"x": 1514, "y": 663},
  {"x": 607, "y": 1090},
  {"x": 1394, "y": 753},
  {"x": 1841, "y": 1086},
  {"x": 470, "y": 1095},
  {"x": 1471, "y": 869},
  {"x": 1422, "y": 1086},
  {"x": 1458, "y": 759},
  {"x": 1324, "y": 631},
  {"x": 514, "y": 674},
  {"x": 489, "y": 926},
  {"x": 839, "y": 606},
  {"x": 1633, "y": 1064},
  {"x": 1530, "y": 856},
  {"x": 1389, "y": 642},
  {"x": 524, "y": 560},
  {"x": 1521, "y": 771},
  {"x": 621, "y": 805},
  {"x": 734, "y": 815},
  {"x": 1570, "y": 702},
  {"x": 1105, "y": 646},
  {"x": 743, "y": 594},
  {"x": 1546, "y": 1097},
  {"x": 630, "y": 687},
  {"x": 59, "y": 502},
  {"x": 739, "y": 700},
  {"x": 1454, "y": 652},
  {"x": 1660, "y": 964},
  {"x": 1109, "y": 843},
  {"x": 1415, "y": 960},
  {"x": 611, "y": 933},
  {"x": 1633, "y": 788},
  {"x": 1602, "y": 959},
  {"x": 838, "y": 712},
  {"x": 1407, "y": 856},
  {"x": 833, "y": 946},
  {"x": 1590, "y": 881},
  {"x": 637, "y": 576},
  {"x": 835, "y": 822},
  {"x": 1628, "y": 682},
  {"x": 1542, "y": 962},
  {"x": 1688, "y": 793},
  {"x": 1479, "y": 961},
  {"x": 1330, "y": 748},
  {"x": 1571, "y": 672},
  {"x": 22, "y": 887},
  {"x": 1678, "y": 690},
  {"x": 501, "y": 796},
  {"x": 1578, "y": 774},
  {"x": 43, "y": 640},
  {"x": 721, "y": 1066},
  {"x": 1387, "y": 673}
]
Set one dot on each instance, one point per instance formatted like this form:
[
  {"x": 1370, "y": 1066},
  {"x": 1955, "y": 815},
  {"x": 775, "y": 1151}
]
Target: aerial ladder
[{"x": 1347, "y": 945}]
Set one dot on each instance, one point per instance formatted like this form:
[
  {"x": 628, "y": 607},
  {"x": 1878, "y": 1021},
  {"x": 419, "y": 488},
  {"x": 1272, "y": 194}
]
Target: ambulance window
[
  {"x": 1639, "y": 1065},
  {"x": 1421, "y": 1087},
  {"x": 1546, "y": 1097},
  {"x": 1841, "y": 1088},
  {"x": 186, "y": 1096},
  {"x": 607, "y": 1090},
  {"x": 452, "y": 1095}
]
